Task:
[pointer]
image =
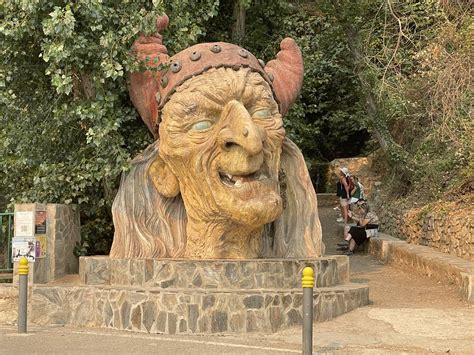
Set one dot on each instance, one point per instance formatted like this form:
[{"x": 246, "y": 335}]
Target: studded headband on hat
[{"x": 150, "y": 90}]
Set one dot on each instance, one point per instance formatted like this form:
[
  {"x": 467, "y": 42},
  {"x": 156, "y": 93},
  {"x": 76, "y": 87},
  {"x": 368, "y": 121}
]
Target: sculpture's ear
[{"x": 163, "y": 178}]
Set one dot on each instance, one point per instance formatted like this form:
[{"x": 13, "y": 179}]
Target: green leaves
[
  {"x": 112, "y": 69},
  {"x": 62, "y": 82},
  {"x": 67, "y": 126},
  {"x": 60, "y": 23},
  {"x": 413, "y": 65}
]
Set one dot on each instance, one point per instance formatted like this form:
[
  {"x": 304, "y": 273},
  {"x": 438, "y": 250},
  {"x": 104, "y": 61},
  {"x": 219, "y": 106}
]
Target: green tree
[
  {"x": 412, "y": 61},
  {"x": 68, "y": 129}
]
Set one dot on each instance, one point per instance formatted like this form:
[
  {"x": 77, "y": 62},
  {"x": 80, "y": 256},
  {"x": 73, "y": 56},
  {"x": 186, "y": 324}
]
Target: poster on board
[
  {"x": 40, "y": 246},
  {"x": 24, "y": 224},
  {"x": 23, "y": 247},
  {"x": 40, "y": 222}
]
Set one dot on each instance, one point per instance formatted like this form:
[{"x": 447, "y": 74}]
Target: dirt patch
[{"x": 391, "y": 287}]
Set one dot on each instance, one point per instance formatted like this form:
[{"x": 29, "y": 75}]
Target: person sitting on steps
[{"x": 367, "y": 227}]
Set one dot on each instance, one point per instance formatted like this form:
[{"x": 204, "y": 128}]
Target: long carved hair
[{"x": 148, "y": 225}]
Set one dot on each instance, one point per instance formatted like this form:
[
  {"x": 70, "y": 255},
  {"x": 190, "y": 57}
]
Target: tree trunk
[
  {"x": 238, "y": 28},
  {"x": 380, "y": 129}
]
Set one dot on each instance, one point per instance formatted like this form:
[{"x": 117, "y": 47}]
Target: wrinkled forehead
[{"x": 219, "y": 86}]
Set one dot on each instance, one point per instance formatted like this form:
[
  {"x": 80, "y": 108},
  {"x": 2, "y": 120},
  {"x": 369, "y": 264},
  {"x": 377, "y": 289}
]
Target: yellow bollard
[
  {"x": 308, "y": 285},
  {"x": 23, "y": 270},
  {"x": 308, "y": 277}
]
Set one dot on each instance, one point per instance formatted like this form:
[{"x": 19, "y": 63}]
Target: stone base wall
[
  {"x": 211, "y": 274},
  {"x": 446, "y": 226},
  {"x": 188, "y": 311},
  {"x": 196, "y": 296}
]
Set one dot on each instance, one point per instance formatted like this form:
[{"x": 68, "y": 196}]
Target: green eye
[
  {"x": 202, "y": 125},
  {"x": 263, "y": 114}
]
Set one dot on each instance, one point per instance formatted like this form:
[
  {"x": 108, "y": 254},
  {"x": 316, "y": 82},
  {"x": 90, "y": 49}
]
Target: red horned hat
[{"x": 150, "y": 90}]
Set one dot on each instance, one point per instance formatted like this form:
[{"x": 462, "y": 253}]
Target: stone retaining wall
[{"x": 446, "y": 226}]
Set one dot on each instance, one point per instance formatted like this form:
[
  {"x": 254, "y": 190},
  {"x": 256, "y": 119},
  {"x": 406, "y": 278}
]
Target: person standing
[{"x": 343, "y": 191}]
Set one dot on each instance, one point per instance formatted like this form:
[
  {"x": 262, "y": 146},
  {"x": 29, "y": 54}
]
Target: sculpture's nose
[{"x": 240, "y": 130}]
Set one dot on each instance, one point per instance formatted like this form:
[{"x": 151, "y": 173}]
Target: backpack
[{"x": 362, "y": 194}]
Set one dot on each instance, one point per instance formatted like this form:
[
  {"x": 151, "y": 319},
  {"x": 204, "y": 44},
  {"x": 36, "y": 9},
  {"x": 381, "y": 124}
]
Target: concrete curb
[{"x": 426, "y": 261}]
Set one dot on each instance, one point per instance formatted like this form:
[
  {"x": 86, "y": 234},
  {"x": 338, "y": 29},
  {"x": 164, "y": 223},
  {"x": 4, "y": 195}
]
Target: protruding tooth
[
  {"x": 262, "y": 176},
  {"x": 229, "y": 176},
  {"x": 238, "y": 183}
]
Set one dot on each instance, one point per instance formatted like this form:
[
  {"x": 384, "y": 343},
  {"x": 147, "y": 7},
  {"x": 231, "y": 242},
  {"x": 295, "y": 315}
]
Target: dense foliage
[
  {"x": 397, "y": 69},
  {"x": 67, "y": 127},
  {"x": 414, "y": 60}
]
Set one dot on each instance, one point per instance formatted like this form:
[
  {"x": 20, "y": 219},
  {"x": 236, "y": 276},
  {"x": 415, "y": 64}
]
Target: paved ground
[{"x": 407, "y": 314}]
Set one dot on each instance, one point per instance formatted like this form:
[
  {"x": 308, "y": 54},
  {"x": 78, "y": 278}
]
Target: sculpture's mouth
[{"x": 238, "y": 181}]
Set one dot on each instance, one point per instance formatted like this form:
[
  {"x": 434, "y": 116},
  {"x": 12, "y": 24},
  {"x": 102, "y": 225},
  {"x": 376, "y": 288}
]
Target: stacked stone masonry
[
  {"x": 446, "y": 226},
  {"x": 197, "y": 297},
  {"x": 211, "y": 274},
  {"x": 187, "y": 311},
  {"x": 450, "y": 231}
]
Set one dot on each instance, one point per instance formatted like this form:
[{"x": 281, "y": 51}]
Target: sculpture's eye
[
  {"x": 202, "y": 125},
  {"x": 263, "y": 114}
]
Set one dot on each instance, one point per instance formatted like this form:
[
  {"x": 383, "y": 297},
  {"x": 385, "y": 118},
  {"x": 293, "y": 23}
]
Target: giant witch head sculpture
[{"x": 221, "y": 179}]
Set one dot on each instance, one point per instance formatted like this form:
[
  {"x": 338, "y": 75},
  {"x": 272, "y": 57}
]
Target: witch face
[{"x": 221, "y": 137}]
